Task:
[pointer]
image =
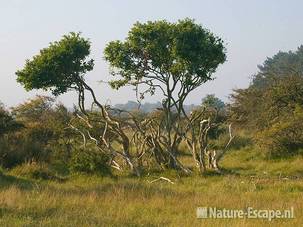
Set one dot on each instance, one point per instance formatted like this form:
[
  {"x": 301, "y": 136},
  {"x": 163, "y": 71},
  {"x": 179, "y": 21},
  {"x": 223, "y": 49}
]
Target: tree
[
  {"x": 214, "y": 109},
  {"x": 61, "y": 67},
  {"x": 269, "y": 107},
  {"x": 275, "y": 89},
  {"x": 211, "y": 101},
  {"x": 58, "y": 68},
  {"x": 34, "y": 109},
  {"x": 281, "y": 65},
  {"x": 208, "y": 128},
  {"x": 173, "y": 58}
]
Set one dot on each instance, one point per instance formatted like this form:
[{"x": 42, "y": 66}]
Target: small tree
[
  {"x": 211, "y": 101},
  {"x": 174, "y": 58},
  {"x": 61, "y": 67}
]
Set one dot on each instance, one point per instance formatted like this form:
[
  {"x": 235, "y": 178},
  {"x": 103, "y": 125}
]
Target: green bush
[
  {"x": 284, "y": 137},
  {"x": 240, "y": 141},
  {"x": 17, "y": 148},
  {"x": 89, "y": 160}
]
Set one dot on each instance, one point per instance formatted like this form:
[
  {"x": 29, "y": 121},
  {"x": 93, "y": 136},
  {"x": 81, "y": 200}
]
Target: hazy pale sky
[{"x": 252, "y": 30}]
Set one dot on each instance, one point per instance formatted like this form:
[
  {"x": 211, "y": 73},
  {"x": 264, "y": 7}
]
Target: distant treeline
[{"x": 148, "y": 107}]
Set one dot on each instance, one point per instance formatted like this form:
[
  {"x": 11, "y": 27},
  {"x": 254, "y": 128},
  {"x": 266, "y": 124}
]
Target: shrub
[
  {"x": 240, "y": 141},
  {"x": 18, "y": 148},
  {"x": 89, "y": 160},
  {"x": 284, "y": 137}
]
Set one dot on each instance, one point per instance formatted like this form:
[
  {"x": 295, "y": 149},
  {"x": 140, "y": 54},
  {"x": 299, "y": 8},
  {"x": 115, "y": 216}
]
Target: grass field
[{"x": 80, "y": 200}]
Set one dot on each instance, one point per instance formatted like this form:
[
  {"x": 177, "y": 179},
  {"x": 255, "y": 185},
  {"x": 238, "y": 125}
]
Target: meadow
[{"x": 248, "y": 180}]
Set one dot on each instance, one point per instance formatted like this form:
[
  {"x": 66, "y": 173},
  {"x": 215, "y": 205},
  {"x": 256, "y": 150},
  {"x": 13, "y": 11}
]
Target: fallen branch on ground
[{"x": 162, "y": 178}]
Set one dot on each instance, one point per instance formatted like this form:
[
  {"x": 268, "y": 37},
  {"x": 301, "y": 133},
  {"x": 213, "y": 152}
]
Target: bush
[
  {"x": 11, "y": 153},
  {"x": 17, "y": 148},
  {"x": 240, "y": 141},
  {"x": 284, "y": 137},
  {"x": 89, "y": 160}
]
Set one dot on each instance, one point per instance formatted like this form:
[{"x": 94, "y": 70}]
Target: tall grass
[{"x": 87, "y": 200}]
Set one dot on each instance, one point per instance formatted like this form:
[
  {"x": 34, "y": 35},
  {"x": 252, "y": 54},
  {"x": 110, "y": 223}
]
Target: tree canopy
[
  {"x": 281, "y": 65},
  {"x": 58, "y": 67},
  {"x": 271, "y": 106},
  {"x": 157, "y": 52},
  {"x": 175, "y": 58},
  {"x": 211, "y": 101}
]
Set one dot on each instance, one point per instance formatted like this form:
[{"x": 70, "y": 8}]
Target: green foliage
[
  {"x": 89, "y": 160},
  {"x": 212, "y": 102},
  {"x": 33, "y": 109},
  {"x": 175, "y": 58},
  {"x": 34, "y": 139},
  {"x": 278, "y": 67},
  {"x": 258, "y": 110},
  {"x": 11, "y": 155},
  {"x": 7, "y": 122},
  {"x": 241, "y": 140},
  {"x": 275, "y": 91},
  {"x": 184, "y": 50},
  {"x": 43, "y": 134},
  {"x": 58, "y": 67},
  {"x": 270, "y": 107},
  {"x": 244, "y": 110},
  {"x": 285, "y": 137}
]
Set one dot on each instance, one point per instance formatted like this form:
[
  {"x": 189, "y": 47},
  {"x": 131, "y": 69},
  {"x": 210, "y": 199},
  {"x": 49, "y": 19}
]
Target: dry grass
[{"x": 127, "y": 201}]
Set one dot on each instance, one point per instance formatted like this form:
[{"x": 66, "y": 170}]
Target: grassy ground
[{"x": 126, "y": 201}]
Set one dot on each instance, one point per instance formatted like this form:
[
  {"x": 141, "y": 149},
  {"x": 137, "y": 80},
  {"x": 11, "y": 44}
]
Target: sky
[{"x": 251, "y": 30}]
